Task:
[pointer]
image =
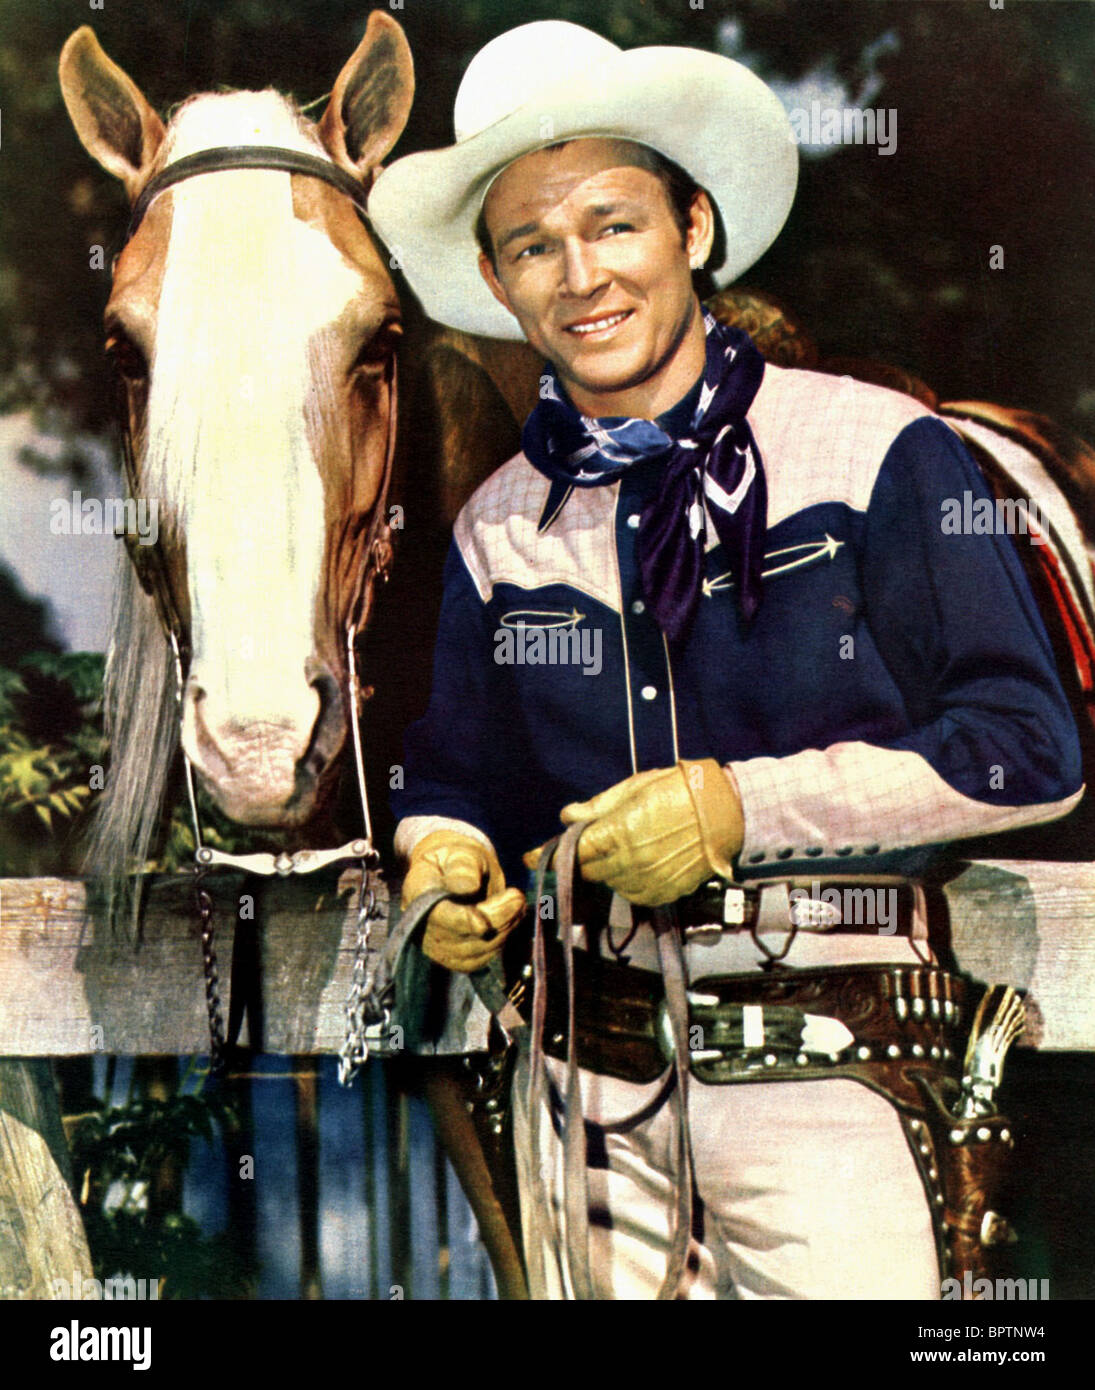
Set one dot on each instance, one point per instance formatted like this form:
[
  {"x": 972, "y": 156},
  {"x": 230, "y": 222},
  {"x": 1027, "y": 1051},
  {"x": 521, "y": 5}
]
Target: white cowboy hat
[{"x": 551, "y": 81}]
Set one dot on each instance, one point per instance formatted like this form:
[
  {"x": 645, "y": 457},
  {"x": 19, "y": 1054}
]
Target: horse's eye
[
  {"x": 377, "y": 351},
  {"x": 127, "y": 357}
]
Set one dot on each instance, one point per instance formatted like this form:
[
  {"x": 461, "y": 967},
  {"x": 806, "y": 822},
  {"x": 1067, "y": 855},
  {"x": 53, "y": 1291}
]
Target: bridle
[
  {"x": 246, "y": 157},
  {"x": 373, "y": 562}
]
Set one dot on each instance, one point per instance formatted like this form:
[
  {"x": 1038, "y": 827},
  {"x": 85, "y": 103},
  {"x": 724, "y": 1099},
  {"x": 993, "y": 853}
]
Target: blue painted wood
[
  {"x": 426, "y": 1237},
  {"x": 356, "y": 1189},
  {"x": 274, "y": 1147}
]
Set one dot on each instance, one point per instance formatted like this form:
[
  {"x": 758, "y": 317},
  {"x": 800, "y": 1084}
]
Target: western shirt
[{"x": 895, "y": 691}]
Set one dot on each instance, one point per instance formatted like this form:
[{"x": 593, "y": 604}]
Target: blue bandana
[{"x": 714, "y": 468}]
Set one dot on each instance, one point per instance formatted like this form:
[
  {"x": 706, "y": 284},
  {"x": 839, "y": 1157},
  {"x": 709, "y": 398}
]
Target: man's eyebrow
[
  {"x": 594, "y": 210},
  {"x": 526, "y": 229}
]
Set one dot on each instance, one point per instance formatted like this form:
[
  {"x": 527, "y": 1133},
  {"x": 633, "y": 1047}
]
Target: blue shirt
[{"x": 896, "y": 689}]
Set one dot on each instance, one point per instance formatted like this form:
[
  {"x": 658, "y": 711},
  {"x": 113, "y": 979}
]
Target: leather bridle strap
[
  {"x": 247, "y": 157},
  {"x": 375, "y": 560},
  {"x": 488, "y": 982}
]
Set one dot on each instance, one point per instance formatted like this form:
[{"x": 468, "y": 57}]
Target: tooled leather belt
[{"x": 799, "y": 1023}]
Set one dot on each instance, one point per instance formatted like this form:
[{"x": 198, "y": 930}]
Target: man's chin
[{"x": 602, "y": 380}]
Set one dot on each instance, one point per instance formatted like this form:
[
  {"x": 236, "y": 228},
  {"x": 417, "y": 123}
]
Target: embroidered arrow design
[
  {"x": 541, "y": 617},
  {"x": 816, "y": 550}
]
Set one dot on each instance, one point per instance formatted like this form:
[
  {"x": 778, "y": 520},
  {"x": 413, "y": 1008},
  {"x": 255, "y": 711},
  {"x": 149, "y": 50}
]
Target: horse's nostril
[
  {"x": 326, "y": 687},
  {"x": 328, "y": 731}
]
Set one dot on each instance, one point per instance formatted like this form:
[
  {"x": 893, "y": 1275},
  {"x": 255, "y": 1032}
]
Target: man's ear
[
  {"x": 490, "y": 275},
  {"x": 700, "y": 236},
  {"x": 371, "y": 99},
  {"x": 115, "y": 123}
]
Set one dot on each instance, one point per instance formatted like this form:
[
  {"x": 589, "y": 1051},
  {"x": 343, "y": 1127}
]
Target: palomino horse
[{"x": 253, "y": 323}]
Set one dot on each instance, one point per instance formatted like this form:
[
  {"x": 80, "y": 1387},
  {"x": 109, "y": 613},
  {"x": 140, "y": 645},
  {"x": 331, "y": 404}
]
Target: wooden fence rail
[{"x": 67, "y": 988}]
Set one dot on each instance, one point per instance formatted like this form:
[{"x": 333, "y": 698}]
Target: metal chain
[
  {"x": 355, "y": 1048},
  {"x": 212, "y": 980}
]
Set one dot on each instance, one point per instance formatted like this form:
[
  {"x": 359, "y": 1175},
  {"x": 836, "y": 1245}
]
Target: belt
[{"x": 757, "y": 1026}]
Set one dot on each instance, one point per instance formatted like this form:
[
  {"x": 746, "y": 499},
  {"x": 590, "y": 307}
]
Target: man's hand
[
  {"x": 658, "y": 835},
  {"x": 461, "y": 936}
]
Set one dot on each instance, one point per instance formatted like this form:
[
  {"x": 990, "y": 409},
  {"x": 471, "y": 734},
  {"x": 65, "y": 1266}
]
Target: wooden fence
[{"x": 69, "y": 989}]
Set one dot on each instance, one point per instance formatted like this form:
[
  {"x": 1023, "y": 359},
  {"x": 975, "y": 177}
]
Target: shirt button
[
  {"x": 784, "y": 853},
  {"x": 649, "y": 692},
  {"x": 813, "y": 851},
  {"x": 633, "y": 521},
  {"x": 844, "y": 850},
  {"x": 871, "y": 849},
  {"x": 638, "y": 606},
  {"x": 757, "y": 858}
]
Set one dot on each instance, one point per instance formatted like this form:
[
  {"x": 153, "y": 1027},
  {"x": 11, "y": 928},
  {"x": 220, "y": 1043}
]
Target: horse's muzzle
[{"x": 266, "y": 763}]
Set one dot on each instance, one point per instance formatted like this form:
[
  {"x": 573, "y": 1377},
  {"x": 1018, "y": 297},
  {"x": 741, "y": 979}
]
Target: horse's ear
[
  {"x": 371, "y": 99},
  {"x": 115, "y": 123}
]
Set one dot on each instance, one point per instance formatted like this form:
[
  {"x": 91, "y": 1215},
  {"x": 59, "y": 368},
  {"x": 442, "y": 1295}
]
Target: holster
[
  {"x": 908, "y": 1026},
  {"x": 969, "y": 1158}
]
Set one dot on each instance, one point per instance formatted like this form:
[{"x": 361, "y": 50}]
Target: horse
[{"x": 253, "y": 323}]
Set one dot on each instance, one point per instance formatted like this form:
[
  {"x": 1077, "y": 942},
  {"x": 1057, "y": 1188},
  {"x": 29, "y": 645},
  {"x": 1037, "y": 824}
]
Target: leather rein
[{"x": 375, "y": 554}]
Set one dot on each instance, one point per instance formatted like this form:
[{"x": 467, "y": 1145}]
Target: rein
[
  {"x": 574, "y": 1244},
  {"x": 373, "y": 564}
]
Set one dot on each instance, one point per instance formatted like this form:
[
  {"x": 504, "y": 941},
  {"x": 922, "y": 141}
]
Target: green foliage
[
  {"x": 120, "y": 1156},
  {"x": 50, "y": 739},
  {"x": 218, "y": 831}
]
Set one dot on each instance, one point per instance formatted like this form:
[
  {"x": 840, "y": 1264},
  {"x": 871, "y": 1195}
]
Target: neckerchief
[{"x": 716, "y": 461}]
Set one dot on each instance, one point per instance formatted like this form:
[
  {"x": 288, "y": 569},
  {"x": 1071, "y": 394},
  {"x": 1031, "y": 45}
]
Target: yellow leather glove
[
  {"x": 658, "y": 835},
  {"x": 462, "y": 936}
]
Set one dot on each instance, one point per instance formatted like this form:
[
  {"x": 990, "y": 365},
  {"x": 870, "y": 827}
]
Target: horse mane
[{"x": 141, "y": 725}]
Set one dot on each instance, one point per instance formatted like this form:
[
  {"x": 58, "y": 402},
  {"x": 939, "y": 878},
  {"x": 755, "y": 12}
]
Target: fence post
[{"x": 42, "y": 1240}]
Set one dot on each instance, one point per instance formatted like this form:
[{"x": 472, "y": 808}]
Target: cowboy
[{"x": 802, "y": 678}]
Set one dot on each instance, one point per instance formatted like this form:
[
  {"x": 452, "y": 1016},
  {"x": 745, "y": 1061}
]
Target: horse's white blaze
[{"x": 246, "y": 288}]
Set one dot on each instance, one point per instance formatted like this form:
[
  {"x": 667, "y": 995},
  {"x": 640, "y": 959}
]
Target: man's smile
[{"x": 598, "y": 327}]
